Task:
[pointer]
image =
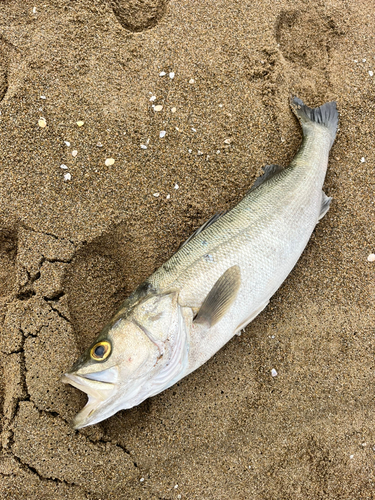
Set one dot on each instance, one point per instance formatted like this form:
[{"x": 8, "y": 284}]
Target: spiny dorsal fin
[
  {"x": 204, "y": 226},
  {"x": 269, "y": 171},
  {"x": 326, "y": 201},
  {"x": 220, "y": 298}
]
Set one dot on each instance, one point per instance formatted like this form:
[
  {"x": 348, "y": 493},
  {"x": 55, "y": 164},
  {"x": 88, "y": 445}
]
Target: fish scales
[{"x": 214, "y": 285}]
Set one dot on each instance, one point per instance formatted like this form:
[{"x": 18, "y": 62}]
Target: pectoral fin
[{"x": 220, "y": 298}]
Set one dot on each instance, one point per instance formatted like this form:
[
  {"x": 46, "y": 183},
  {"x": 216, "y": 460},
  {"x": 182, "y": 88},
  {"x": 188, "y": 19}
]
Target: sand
[{"x": 72, "y": 248}]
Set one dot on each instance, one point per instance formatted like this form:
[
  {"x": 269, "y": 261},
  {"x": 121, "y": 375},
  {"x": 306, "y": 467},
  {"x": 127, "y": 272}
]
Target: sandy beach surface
[{"x": 87, "y": 81}]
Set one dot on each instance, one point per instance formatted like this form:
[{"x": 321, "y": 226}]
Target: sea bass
[{"x": 214, "y": 285}]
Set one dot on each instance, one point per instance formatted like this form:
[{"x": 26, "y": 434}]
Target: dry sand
[{"x": 72, "y": 250}]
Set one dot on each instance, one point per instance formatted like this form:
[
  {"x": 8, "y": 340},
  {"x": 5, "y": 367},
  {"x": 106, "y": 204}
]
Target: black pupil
[{"x": 99, "y": 351}]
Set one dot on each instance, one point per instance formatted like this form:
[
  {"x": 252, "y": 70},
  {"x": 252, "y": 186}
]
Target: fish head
[{"x": 124, "y": 365}]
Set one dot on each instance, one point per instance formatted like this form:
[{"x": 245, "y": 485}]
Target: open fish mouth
[{"x": 99, "y": 387}]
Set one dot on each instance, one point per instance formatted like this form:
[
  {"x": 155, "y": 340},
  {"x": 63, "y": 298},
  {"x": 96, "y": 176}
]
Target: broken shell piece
[
  {"x": 80, "y": 123},
  {"x": 227, "y": 141},
  {"x": 109, "y": 162},
  {"x": 42, "y": 122},
  {"x": 74, "y": 153},
  {"x": 159, "y": 107},
  {"x": 67, "y": 177}
]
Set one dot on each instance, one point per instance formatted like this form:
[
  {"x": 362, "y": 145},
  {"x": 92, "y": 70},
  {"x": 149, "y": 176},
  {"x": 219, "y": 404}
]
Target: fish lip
[{"x": 98, "y": 394}]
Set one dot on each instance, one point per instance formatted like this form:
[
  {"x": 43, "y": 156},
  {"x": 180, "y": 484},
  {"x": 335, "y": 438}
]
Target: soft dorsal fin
[
  {"x": 220, "y": 298},
  {"x": 204, "y": 226},
  {"x": 326, "y": 201},
  {"x": 269, "y": 172}
]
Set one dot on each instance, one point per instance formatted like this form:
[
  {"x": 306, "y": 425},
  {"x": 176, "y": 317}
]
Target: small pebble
[
  {"x": 363, "y": 159},
  {"x": 218, "y": 152},
  {"x": 173, "y": 110},
  {"x": 162, "y": 134},
  {"x": 99, "y": 144},
  {"x": 200, "y": 153},
  {"x": 175, "y": 486},
  {"x": 156, "y": 195},
  {"x": 371, "y": 73},
  {"x": 220, "y": 105},
  {"x": 152, "y": 98},
  {"x": 227, "y": 141},
  {"x": 42, "y": 122},
  {"x": 142, "y": 479},
  {"x": 371, "y": 257},
  {"x": 171, "y": 75},
  {"x": 43, "y": 97},
  {"x": 191, "y": 80},
  {"x": 168, "y": 196},
  {"x": 176, "y": 186},
  {"x": 64, "y": 167},
  {"x": 190, "y": 150},
  {"x": 34, "y": 10},
  {"x": 67, "y": 143},
  {"x": 351, "y": 456},
  {"x": 363, "y": 60},
  {"x": 67, "y": 177},
  {"x": 109, "y": 162},
  {"x": 193, "y": 129},
  {"x": 159, "y": 107},
  {"x": 274, "y": 372},
  {"x": 74, "y": 153},
  {"x": 162, "y": 73},
  {"x": 80, "y": 123},
  {"x": 143, "y": 146}
]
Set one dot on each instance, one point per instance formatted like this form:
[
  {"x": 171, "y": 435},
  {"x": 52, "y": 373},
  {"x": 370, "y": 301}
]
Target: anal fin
[
  {"x": 220, "y": 298},
  {"x": 326, "y": 201}
]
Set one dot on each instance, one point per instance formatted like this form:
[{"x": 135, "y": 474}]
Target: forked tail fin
[{"x": 326, "y": 116}]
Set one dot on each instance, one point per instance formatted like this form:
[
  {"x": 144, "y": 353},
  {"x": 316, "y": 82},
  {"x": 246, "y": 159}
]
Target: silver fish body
[{"x": 216, "y": 283}]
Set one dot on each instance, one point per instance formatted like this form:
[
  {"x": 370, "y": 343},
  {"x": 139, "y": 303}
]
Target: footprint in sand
[{"x": 139, "y": 15}]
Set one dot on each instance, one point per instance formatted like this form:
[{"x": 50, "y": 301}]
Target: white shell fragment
[
  {"x": 371, "y": 73},
  {"x": 168, "y": 196},
  {"x": 191, "y": 80},
  {"x": 274, "y": 372},
  {"x": 143, "y": 146},
  {"x": 162, "y": 133},
  {"x": 67, "y": 143},
  {"x": 43, "y": 97},
  {"x": 171, "y": 75},
  {"x": 371, "y": 257},
  {"x": 176, "y": 186},
  {"x": 156, "y": 195},
  {"x": 74, "y": 153},
  {"x": 162, "y": 73},
  {"x": 227, "y": 141},
  {"x": 363, "y": 159},
  {"x": 152, "y": 98},
  {"x": 67, "y": 176},
  {"x": 173, "y": 110},
  {"x": 80, "y": 123},
  {"x": 42, "y": 122},
  {"x": 159, "y": 107},
  {"x": 193, "y": 129},
  {"x": 109, "y": 162},
  {"x": 99, "y": 144},
  {"x": 64, "y": 167}
]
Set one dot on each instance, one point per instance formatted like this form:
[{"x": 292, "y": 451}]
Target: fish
[{"x": 217, "y": 282}]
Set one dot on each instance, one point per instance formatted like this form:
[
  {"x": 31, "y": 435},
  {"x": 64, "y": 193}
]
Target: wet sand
[{"x": 72, "y": 247}]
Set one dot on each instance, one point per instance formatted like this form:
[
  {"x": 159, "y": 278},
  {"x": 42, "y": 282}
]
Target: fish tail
[{"x": 325, "y": 116}]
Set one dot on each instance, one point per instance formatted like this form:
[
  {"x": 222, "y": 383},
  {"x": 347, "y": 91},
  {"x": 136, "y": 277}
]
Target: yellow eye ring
[{"x": 101, "y": 350}]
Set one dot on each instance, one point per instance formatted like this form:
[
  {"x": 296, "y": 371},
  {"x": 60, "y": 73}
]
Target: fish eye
[{"x": 101, "y": 350}]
